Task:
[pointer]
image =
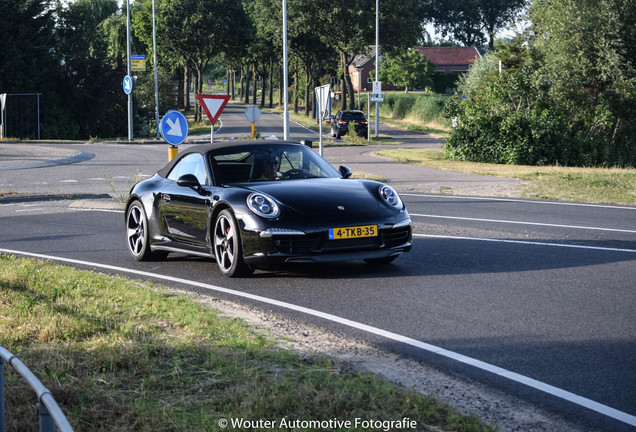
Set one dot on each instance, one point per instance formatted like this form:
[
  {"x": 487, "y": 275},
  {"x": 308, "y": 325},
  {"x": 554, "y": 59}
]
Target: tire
[
  {"x": 137, "y": 235},
  {"x": 228, "y": 251},
  {"x": 380, "y": 261}
]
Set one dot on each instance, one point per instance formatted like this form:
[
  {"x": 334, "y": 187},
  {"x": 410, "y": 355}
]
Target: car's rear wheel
[
  {"x": 137, "y": 235},
  {"x": 227, "y": 246}
]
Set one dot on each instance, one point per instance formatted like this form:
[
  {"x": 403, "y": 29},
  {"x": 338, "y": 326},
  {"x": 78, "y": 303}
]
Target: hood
[{"x": 327, "y": 197}]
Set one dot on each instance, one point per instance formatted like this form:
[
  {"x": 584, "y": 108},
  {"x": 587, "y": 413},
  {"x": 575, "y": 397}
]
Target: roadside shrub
[
  {"x": 518, "y": 119},
  {"x": 419, "y": 107}
]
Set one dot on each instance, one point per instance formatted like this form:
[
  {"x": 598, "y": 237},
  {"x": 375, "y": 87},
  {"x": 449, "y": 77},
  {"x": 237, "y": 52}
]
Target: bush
[
  {"x": 419, "y": 107},
  {"x": 517, "y": 119}
]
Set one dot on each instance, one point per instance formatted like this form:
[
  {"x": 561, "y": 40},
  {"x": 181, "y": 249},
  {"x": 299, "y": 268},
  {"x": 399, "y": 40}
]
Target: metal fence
[
  {"x": 48, "y": 410},
  {"x": 20, "y": 115}
]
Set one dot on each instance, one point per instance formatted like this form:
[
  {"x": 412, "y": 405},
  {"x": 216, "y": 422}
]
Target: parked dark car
[
  {"x": 340, "y": 123},
  {"x": 219, "y": 201}
]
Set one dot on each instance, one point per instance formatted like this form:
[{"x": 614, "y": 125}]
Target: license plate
[{"x": 353, "y": 232}]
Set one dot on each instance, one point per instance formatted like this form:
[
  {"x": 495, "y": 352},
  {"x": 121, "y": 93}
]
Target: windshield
[{"x": 275, "y": 162}]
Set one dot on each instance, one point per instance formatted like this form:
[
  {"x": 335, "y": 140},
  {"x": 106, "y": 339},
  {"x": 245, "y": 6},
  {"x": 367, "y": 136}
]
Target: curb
[{"x": 98, "y": 204}]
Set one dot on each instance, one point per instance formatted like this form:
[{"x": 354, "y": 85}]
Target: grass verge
[
  {"x": 599, "y": 185},
  {"x": 121, "y": 355}
]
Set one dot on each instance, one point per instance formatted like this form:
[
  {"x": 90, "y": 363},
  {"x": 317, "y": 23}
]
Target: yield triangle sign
[{"x": 213, "y": 105}]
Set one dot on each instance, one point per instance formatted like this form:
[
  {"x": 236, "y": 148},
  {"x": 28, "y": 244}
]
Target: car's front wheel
[
  {"x": 137, "y": 235},
  {"x": 227, "y": 246}
]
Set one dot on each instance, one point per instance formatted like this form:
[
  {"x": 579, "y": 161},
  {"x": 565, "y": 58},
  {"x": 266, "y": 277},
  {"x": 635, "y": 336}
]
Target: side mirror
[
  {"x": 345, "y": 171},
  {"x": 190, "y": 181}
]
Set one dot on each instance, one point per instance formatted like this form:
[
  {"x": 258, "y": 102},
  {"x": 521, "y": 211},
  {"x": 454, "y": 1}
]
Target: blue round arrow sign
[
  {"x": 128, "y": 84},
  {"x": 174, "y": 127}
]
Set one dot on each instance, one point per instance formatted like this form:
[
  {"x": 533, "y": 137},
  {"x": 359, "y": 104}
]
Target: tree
[
  {"x": 409, "y": 69},
  {"x": 265, "y": 46},
  {"x": 93, "y": 86},
  {"x": 28, "y": 45},
  {"x": 197, "y": 31},
  {"x": 587, "y": 44},
  {"x": 472, "y": 22},
  {"x": 570, "y": 98},
  {"x": 349, "y": 29}
]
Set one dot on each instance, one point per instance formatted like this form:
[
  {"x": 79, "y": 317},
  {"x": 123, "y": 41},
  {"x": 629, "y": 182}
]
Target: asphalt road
[{"x": 543, "y": 290}]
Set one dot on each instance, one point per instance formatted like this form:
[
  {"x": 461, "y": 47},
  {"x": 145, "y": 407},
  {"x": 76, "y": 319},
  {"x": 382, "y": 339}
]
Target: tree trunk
[
  {"x": 296, "y": 86},
  {"x": 247, "y": 84},
  {"x": 186, "y": 87},
  {"x": 242, "y": 80},
  {"x": 271, "y": 82},
  {"x": 263, "y": 89},
  {"x": 198, "y": 88},
  {"x": 254, "y": 82},
  {"x": 280, "y": 86},
  {"x": 180, "y": 87},
  {"x": 233, "y": 77},
  {"x": 308, "y": 92},
  {"x": 351, "y": 94},
  {"x": 343, "y": 87}
]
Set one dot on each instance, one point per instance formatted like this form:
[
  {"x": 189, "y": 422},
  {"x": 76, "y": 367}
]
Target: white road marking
[
  {"x": 525, "y": 242},
  {"x": 559, "y": 203},
  {"x": 524, "y": 223},
  {"x": 513, "y": 376},
  {"x": 30, "y": 209}
]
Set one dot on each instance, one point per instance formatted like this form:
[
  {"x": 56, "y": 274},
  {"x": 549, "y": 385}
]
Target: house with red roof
[
  {"x": 450, "y": 59},
  {"x": 449, "y": 63}
]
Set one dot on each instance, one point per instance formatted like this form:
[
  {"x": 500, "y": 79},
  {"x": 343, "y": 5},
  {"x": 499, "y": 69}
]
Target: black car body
[
  {"x": 212, "y": 200},
  {"x": 340, "y": 123}
]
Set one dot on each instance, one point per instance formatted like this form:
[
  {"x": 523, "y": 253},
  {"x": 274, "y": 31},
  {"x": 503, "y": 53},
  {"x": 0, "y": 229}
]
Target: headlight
[
  {"x": 391, "y": 197},
  {"x": 263, "y": 205}
]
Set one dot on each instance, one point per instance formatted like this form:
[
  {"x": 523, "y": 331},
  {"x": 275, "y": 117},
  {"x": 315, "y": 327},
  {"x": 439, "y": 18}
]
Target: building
[
  {"x": 449, "y": 63},
  {"x": 450, "y": 59}
]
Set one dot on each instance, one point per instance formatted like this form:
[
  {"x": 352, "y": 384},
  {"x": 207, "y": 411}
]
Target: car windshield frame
[{"x": 244, "y": 163}]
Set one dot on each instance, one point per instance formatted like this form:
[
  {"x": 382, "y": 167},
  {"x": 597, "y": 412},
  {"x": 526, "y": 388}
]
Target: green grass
[
  {"x": 433, "y": 129},
  {"x": 599, "y": 185},
  {"x": 122, "y": 355}
]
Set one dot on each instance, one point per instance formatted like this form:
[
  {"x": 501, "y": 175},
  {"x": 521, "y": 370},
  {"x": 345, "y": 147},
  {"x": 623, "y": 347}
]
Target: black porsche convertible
[{"x": 253, "y": 203}]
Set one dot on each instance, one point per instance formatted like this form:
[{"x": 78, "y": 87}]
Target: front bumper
[{"x": 283, "y": 246}]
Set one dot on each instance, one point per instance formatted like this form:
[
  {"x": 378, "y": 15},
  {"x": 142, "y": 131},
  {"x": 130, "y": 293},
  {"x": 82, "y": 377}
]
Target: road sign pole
[
  {"x": 172, "y": 152},
  {"x": 285, "y": 73},
  {"x": 154, "y": 60},
  {"x": 377, "y": 64},
  {"x": 130, "y": 98}
]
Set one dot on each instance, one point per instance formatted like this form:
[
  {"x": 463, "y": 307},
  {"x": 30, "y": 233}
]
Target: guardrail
[{"x": 49, "y": 411}]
